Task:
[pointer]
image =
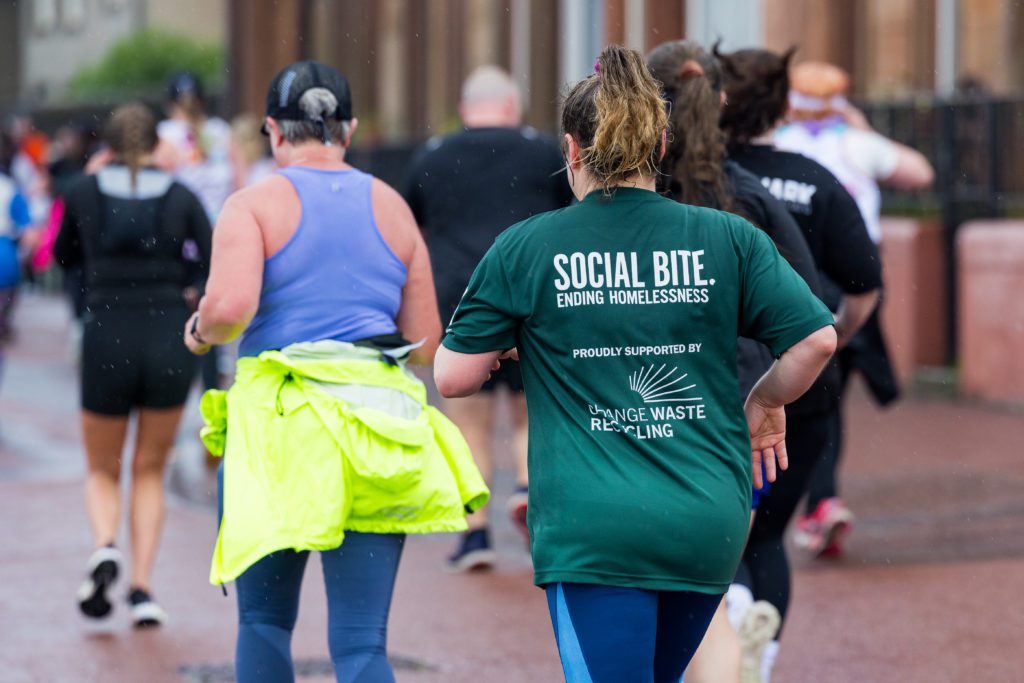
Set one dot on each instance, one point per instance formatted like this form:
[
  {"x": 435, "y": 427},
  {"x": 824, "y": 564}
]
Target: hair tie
[
  {"x": 324, "y": 134},
  {"x": 597, "y": 67}
]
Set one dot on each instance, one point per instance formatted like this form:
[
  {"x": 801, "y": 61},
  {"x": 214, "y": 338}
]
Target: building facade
[
  {"x": 43, "y": 43},
  {"x": 407, "y": 58}
]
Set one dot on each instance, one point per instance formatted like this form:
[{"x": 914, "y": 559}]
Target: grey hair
[{"x": 319, "y": 104}]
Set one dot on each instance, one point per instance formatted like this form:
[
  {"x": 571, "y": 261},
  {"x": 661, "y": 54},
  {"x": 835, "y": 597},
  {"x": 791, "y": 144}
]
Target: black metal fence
[{"x": 977, "y": 148}]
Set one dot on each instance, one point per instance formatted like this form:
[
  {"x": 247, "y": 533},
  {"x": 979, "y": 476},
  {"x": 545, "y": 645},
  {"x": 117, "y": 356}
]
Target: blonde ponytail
[{"x": 617, "y": 116}]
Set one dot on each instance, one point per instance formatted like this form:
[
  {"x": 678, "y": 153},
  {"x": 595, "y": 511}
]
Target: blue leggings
[
  {"x": 608, "y": 634},
  {"x": 359, "y": 577}
]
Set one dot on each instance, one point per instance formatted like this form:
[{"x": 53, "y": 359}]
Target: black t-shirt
[
  {"x": 466, "y": 188},
  {"x": 828, "y": 216},
  {"x": 757, "y": 205},
  {"x": 752, "y": 201},
  {"x": 825, "y": 212},
  {"x": 129, "y": 238}
]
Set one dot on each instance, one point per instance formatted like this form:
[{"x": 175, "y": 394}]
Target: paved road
[{"x": 929, "y": 591}]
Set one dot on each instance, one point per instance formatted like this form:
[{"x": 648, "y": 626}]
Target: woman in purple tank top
[{"x": 317, "y": 252}]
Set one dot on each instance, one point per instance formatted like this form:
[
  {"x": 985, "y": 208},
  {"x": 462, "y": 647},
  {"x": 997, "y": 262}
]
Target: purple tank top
[{"x": 336, "y": 278}]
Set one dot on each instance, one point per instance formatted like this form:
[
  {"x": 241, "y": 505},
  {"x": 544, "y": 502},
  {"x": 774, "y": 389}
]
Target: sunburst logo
[{"x": 659, "y": 386}]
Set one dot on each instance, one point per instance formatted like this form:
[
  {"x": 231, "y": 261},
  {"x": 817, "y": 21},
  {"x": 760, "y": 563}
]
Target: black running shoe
[
  {"x": 145, "y": 612},
  {"x": 104, "y": 566},
  {"x": 474, "y": 552}
]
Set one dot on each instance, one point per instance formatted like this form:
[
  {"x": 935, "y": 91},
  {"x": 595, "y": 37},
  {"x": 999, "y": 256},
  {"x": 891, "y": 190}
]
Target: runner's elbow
[
  {"x": 822, "y": 344},
  {"x": 451, "y": 377},
  {"x": 449, "y": 386},
  {"x": 227, "y": 311}
]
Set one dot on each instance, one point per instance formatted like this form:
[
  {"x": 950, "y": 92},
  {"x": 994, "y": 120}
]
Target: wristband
[{"x": 194, "y": 331}]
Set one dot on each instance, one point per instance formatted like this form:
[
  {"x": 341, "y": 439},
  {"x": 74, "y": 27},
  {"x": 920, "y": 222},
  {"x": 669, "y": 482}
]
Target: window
[
  {"x": 74, "y": 14},
  {"x": 44, "y": 16}
]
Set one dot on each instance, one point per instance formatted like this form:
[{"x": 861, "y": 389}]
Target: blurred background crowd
[{"x": 943, "y": 76}]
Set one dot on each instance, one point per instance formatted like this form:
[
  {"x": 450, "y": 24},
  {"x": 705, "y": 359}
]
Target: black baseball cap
[
  {"x": 295, "y": 79},
  {"x": 182, "y": 83}
]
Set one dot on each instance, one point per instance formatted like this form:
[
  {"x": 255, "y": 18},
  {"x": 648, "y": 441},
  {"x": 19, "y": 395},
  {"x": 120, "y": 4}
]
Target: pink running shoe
[{"x": 824, "y": 531}]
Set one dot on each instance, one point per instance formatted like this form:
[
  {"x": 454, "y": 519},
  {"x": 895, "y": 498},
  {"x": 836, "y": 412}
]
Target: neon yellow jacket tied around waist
[{"x": 323, "y": 438}]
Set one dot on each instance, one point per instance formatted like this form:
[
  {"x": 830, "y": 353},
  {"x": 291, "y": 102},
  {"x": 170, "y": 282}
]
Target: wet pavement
[{"x": 929, "y": 591}]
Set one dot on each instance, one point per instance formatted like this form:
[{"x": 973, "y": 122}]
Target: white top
[
  {"x": 857, "y": 158},
  {"x": 211, "y": 178}
]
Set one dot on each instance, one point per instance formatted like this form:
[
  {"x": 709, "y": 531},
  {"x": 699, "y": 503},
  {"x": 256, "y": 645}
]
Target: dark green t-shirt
[{"x": 626, "y": 312}]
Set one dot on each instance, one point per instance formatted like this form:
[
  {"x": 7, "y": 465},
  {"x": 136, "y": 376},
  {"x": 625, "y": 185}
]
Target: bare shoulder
[
  {"x": 262, "y": 193},
  {"x": 386, "y": 199},
  {"x": 394, "y": 220},
  {"x": 273, "y": 201}
]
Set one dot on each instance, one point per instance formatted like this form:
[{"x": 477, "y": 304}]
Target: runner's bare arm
[
  {"x": 854, "y": 310},
  {"x": 913, "y": 171},
  {"x": 788, "y": 378},
  {"x": 462, "y": 374},
  {"x": 418, "y": 317},
  {"x": 236, "y": 273}
]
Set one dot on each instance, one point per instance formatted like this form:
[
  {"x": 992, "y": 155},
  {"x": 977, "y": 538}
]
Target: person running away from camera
[
  {"x": 696, "y": 170},
  {"x": 756, "y": 85},
  {"x": 464, "y": 189},
  {"x": 624, "y": 311},
  {"x": 123, "y": 229},
  {"x": 327, "y": 441}
]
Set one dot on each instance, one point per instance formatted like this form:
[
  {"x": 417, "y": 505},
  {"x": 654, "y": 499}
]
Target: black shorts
[
  {"x": 509, "y": 375},
  {"x": 135, "y": 357}
]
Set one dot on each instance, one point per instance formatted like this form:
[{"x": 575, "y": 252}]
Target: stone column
[
  {"x": 483, "y": 43},
  {"x": 545, "y": 82},
  {"x": 663, "y": 20},
  {"x": 392, "y": 92},
  {"x": 265, "y": 37},
  {"x": 897, "y": 43},
  {"x": 991, "y": 32}
]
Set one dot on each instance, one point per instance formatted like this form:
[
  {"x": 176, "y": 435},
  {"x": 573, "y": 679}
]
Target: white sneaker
[
  {"x": 145, "y": 612},
  {"x": 103, "y": 568},
  {"x": 738, "y": 600},
  {"x": 757, "y": 629}
]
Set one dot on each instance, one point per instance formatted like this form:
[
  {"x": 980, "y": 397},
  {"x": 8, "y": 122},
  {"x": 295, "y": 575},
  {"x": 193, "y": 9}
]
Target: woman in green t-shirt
[{"x": 624, "y": 310}]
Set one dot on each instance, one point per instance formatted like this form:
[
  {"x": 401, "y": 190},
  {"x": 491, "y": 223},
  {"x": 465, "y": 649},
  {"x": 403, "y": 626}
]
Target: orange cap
[
  {"x": 817, "y": 90},
  {"x": 818, "y": 79}
]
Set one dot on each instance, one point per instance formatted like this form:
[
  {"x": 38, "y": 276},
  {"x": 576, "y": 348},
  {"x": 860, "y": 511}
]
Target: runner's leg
[
  {"x": 268, "y": 607},
  {"x": 605, "y": 634},
  {"x": 717, "y": 660},
  {"x": 156, "y": 431},
  {"x": 360, "y": 580},
  {"x": 765, "y": 554},
  {"x": 683, "y": 619},
  {"x": 103, "y": 437},
  {"x": 822, "y": 484}
]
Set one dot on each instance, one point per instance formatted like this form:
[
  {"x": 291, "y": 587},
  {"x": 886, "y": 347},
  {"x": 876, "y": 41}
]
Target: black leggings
[
  {"x": 866, "y": 354},
  {"x": 822, "y": 482},
  {"x": 765, "y": 567}
]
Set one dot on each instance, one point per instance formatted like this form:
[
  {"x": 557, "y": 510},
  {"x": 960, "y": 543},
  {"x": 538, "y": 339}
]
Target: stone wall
[
  {"x": 990, "y": 256},
  {"x": 914, "y": 310}
]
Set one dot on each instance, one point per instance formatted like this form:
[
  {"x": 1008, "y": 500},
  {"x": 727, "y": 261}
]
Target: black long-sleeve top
[{"x": 131, "y": 239}]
